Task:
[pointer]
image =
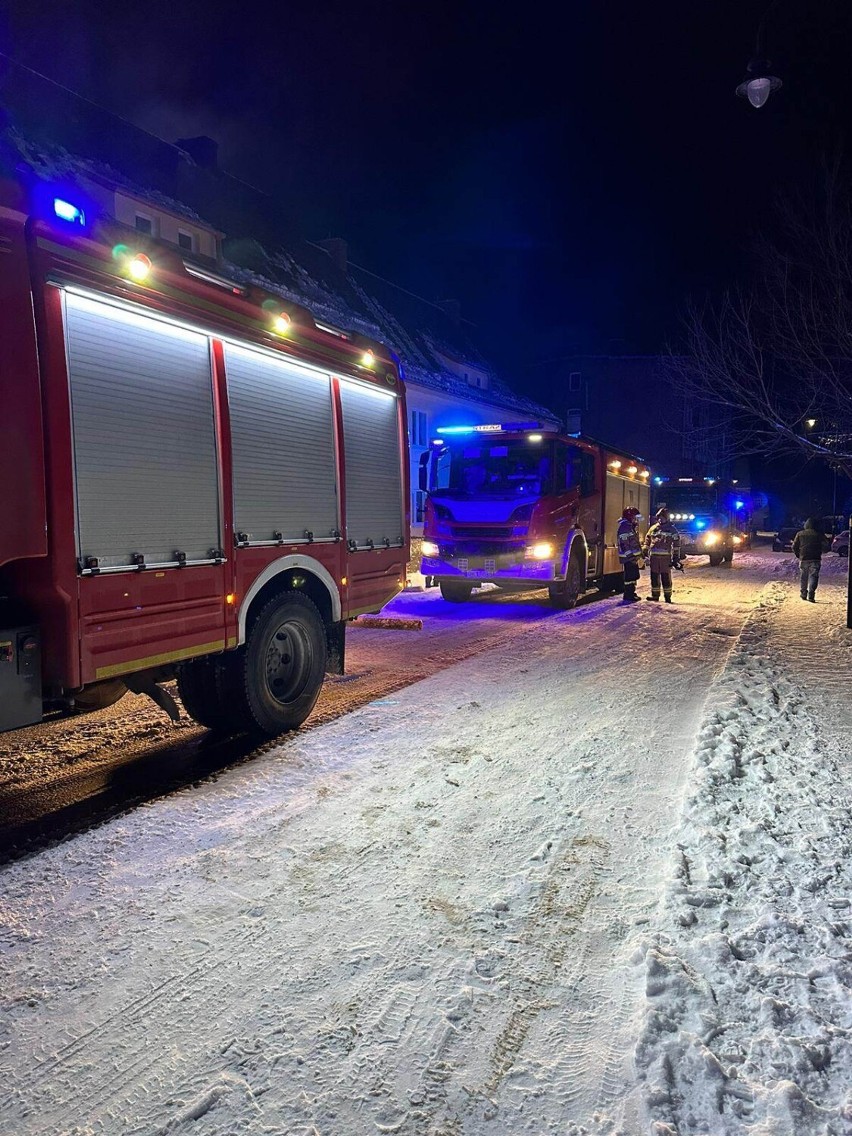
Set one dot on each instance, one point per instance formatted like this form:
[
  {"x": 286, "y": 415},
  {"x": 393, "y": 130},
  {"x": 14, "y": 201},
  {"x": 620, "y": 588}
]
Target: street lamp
[{"x": 759, "y": 83}]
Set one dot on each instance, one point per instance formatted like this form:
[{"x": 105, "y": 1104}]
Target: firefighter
[
  {"x": 662, "y": 547},
  {"x": 630, "y": 552}
]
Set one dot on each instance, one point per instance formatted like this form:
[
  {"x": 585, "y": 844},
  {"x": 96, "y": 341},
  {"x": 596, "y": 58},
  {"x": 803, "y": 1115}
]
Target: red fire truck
[
  {"x": 524, "y": 507},
  {"x": 196, "y": 478}
]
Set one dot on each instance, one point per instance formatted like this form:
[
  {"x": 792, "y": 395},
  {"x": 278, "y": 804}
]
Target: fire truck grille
[
  {"x": 480, "y": 548},
  {"x": 482, "y": 532}
]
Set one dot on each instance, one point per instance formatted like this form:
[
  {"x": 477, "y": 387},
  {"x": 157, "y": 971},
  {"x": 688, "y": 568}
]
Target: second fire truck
[{"x": 523, "y": 507}]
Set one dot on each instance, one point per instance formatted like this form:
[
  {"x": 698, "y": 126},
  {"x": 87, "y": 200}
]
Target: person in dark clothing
[
  {"x": 807, "y": 547},
  {"x": 630, "y": 551}
]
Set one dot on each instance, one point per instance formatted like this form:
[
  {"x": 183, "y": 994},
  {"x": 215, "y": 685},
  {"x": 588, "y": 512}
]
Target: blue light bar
[
  {"x": 65, "y": 211},
  {"x": 490, "y": 428}
]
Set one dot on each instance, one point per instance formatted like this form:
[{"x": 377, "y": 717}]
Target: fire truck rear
[
  {"x": 197, "y": 479},
  {"x": 522, "y": 507}
]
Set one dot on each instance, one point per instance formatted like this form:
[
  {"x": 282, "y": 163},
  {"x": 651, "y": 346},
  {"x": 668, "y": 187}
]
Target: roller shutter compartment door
[
  {"x": 373, "y": 476},
  {"x": 144, "y": 439},
  {"x": 282, "y": 432}
]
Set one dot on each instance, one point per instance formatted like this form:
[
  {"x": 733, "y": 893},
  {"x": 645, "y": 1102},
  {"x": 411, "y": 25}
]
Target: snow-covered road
[{"x": 457, "y": 910}]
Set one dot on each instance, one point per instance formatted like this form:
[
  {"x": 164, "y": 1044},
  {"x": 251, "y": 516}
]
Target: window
[
  {"x": 579, "y": 467},
  {"x": 575, "y": 381},
  {"x": 186, "y": 241},
  {"x": 419, "y": 429},
  {"x": 144, "y": 224},
  {"x": 418, "y": 507}
]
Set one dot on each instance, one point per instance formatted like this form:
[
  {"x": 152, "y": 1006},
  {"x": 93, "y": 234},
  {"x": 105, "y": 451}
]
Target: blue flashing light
[
  {"x": 658, "y": 481},
  {"x": 490, "y": 428},
  {"x": 701, "y": 524},
  {"x": 739, "y": 504},
  {"x": 65, "y": 211}
]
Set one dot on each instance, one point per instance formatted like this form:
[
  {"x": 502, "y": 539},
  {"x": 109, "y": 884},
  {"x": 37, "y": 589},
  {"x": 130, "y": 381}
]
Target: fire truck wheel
[
  {"x": 280, "y": 671},
  {"x": 715, "y": 559},
  {"x": 565, "y": 593},
  {"x": 456, "y": 591},
  {"x": 200, "y": 690}
]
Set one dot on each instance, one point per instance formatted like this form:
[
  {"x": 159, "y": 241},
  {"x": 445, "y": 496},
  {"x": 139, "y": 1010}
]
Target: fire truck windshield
[
  {"x": 689, "y": 499},
  {"x": 493, "y": 469}
]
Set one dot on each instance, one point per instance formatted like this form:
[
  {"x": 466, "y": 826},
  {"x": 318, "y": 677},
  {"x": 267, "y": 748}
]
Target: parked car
[
  {"x": 840, "y": 544},
  {"x": 783, "y": 539}
]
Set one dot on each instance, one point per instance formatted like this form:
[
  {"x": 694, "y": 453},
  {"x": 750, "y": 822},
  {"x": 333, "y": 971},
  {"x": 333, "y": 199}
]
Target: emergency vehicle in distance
[
  {"x": 524, "y": 507},
  {"x": 196, "y": 478},
  {"x": 711, "y": 515}
]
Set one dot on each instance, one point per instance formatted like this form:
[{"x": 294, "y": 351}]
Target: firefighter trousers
[
  {"x": 631, "y": 576},
  {"x": 661, "y": 573}
]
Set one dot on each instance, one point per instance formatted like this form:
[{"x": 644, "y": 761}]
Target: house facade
[{"x": 636, "y": 401}]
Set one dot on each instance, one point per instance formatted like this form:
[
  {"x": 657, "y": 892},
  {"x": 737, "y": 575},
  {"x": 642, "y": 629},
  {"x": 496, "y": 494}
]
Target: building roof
[{"x": 61, "y": 136}]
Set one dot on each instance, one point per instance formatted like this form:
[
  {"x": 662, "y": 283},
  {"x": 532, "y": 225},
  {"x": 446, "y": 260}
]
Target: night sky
[{"x": 570, "y": 178}]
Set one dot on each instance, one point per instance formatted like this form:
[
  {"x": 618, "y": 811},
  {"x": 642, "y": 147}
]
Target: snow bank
[{"x": 748, "y": 976}]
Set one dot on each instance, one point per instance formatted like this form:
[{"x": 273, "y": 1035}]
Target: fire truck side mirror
[{"x": 424, "y": 470}]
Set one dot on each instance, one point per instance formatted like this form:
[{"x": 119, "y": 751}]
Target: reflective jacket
[
  {"x": 663, "y": 540},
  {"x": 629, "y": 545}
]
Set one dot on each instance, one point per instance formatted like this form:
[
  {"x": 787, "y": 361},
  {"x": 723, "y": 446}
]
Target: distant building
[
  {"x": 178, "y": 194},
  {"x": 633, "y": 401}
]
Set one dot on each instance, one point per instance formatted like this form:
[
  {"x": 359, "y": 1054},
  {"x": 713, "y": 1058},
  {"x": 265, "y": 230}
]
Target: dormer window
[
  {"x": 186, "y": 240},
  {"x": 145, "y": 224}
]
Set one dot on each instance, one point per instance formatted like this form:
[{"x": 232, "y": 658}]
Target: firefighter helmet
[
  {"x": 631, "y": 514},
  {"x": 662, "y": 514}
]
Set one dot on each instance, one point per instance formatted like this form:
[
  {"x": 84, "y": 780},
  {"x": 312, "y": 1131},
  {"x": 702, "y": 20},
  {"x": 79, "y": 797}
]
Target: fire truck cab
[
  {"x": 712, "y": 515},
  {"x": 525, "y": 507},
  {"x": 197, "y": 479}
]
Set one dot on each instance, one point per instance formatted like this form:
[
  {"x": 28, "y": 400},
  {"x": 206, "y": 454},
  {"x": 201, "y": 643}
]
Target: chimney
[
  {"x": 452, "y": 309},
  {"x": 204, "y": 151},
  {"x": 338, "y": 250}
]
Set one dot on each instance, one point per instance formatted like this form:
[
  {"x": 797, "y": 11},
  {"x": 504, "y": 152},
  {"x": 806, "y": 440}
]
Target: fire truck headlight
[
  {"x": 738, "y": 540},
  {"x": 711, "y": 538},
  {"x": 429, "y": 548},
  {"x": 541, "y": 551}
]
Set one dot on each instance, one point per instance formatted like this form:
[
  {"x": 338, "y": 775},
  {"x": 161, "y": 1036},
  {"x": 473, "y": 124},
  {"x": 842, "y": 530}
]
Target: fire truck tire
[
  {"x": 277, "y": 676},
  {"x": 729, "y": 556},
  {"x": 456, "y": 591},
  {"x": 565, "y": 593},
  {"x": 715, "y": 559},
  {"x": 201, "y": 691}
]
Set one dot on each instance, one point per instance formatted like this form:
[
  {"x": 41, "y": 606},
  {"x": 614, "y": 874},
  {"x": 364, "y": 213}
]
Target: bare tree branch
[{"x": 776, "y": 355}]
